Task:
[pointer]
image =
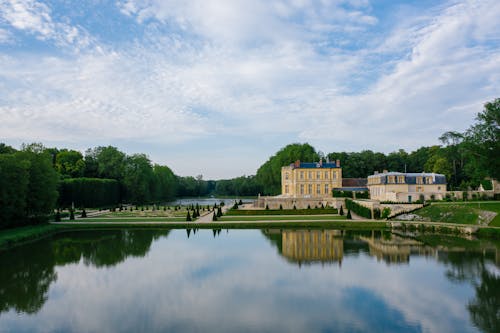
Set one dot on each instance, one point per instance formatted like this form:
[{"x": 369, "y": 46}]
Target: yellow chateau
[{"x": 310, "y": 180}]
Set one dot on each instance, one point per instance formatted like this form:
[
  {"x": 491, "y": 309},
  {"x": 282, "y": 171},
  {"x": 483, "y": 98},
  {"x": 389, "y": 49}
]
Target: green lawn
[
  {"x": 316, "y": 211},
  {"x": 463, "y": 212},
  {"x": 9, "y": 237},
  {"x": 130, "y": 219},
  {"x": 282, "y": 218}
]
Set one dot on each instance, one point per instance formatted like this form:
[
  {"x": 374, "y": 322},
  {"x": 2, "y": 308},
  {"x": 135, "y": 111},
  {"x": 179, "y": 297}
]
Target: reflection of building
[
  {"x": 396, "y": 249},
  {"x": 406, "y": 187},
  {"x": 305, "y": 246},
  {"x": 310, "y": 180}
]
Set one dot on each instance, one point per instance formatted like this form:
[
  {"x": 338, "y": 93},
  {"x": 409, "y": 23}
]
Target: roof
[
  {"x": 351, "y": 188},
  {"x": 411, "y": 178},
  {"x": 314, "y": 165},
  {"x": 354, "y": 182}
]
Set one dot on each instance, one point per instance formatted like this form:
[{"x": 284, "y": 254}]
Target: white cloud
[
  {"x": 280, "y": 71},
  {"x": 35, "y": 17}
]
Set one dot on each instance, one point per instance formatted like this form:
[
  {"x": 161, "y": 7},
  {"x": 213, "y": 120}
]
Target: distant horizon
[{"x": 217, "y": 87}]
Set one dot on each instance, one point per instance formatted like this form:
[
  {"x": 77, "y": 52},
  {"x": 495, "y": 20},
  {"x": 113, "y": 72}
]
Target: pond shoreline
[{"x": 18, "y": 236}]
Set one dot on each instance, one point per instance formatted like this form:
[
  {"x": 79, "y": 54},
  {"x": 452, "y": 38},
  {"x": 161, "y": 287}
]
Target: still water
[{"x": 248, "y": 281}]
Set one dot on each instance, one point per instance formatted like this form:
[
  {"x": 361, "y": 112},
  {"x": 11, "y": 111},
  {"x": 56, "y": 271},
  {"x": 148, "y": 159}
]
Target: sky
[{"x": 215, "y": 87}]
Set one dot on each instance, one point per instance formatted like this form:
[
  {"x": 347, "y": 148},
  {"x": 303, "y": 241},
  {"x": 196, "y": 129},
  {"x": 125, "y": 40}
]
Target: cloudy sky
[{"x": 215, "y": 87}]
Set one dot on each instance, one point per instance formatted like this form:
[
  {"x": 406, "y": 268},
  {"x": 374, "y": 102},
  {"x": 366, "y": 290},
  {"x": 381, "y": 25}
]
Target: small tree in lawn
[
  {"x": 267, "y": 207},
  {"x": 281, "y": 207},
  {"x": 308, "y": 206},
  {"x": 71, "y": 214},
  {"x": 240, "y": 202},
  {"x": 341, "y": 211},
  {"x": 84, "y": 213},
  {"x": 188, "y": 216},
  {"x": 349, "y": 217},
  {"x": 214, "y": 216},
  {"x": 219, "y": 212},
  {"x": 58, "y": 216}
]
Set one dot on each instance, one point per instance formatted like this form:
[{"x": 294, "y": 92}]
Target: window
[
  {"x": 326, "y": 174},
  {"x": 286, "y": 189},
  {"x": 391, "y": 179},
  {"x": 302, "y": 175},
  {"x": 309, "y": 175},
  {"x": 310, "y": 189},
  {"x": 401, "y": 179},
  {"x": 428, "y": 180},
  {"x": 301, "y": 188},
  {"x": 318, "y": 189},
  {"x": 419, "y": 180},
  {"x": 286, "y": 175},
  {"x": 326, "y": 188},
  {"x": 318, "y": 175},
  {"x": 334, "y": 175}
]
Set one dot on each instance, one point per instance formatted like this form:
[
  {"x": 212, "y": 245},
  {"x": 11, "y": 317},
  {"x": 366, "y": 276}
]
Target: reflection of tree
[
  {"x": 107, "y": 249},
  {"x": 485, "y": 308},
  {"x": 25, "y": 276},
  {"x": 27, "y": 271},
  {"x": 468, "y": 266}
]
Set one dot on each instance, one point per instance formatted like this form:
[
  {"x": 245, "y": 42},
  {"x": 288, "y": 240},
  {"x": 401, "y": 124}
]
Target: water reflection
[
  {"x": 27, "y": 271},
  {"x": 138, "y": 280}
]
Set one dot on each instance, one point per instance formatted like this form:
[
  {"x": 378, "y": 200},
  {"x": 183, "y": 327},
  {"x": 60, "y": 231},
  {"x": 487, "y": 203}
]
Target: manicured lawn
[
  {"x": 130, "y": 219},
  {"x": 9, "y": 237},
  {"x": 282, "y": 218},
  {"x": 317, "y": 211},
  {"x": 463, "y": 212}
]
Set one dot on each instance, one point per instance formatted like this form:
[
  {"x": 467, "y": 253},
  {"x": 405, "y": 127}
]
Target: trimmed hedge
[
  {"x": 358, "y": 209},
  {"x": 315, "y": 211},
  {"x": 89, "y": 192}
]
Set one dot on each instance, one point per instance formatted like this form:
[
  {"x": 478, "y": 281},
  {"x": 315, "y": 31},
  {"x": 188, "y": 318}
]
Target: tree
[
  {"x": 269, "y": 174},
  {"x": 188, "y": 216},
  {"x": 349, "y": 216},
  {"x": 341, "y": 211},
  {"x": 42, "y": 187},
  {"x": 138, "y": 178},
  {"x": 70, "y": 163}
]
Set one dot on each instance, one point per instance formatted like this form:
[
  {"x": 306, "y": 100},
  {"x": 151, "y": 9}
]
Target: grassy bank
[
  {"x": 461, "y": 213},
  {"x": 316, "y": 211},
  {"x": 10, "y": 237},
  {"x": 281, "y": 218}
]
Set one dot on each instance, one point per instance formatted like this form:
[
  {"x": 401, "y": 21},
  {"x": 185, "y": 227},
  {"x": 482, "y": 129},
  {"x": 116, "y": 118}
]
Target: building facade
[
  {"x": 406, "y": 187},
  {"x": 310, "y": 180}
]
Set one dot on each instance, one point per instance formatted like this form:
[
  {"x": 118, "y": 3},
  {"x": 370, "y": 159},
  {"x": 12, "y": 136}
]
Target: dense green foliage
[
  {"x": 240, "y": 186},
  {"x": 89, "y": 192},
  {"x": 269, "y": 174},
  {"x": 358, "y": 209},
  {"x": 28, "y": 186}
]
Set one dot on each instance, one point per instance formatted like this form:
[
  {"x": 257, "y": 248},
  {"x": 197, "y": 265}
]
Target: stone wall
[{"x": 299, "y": 203}]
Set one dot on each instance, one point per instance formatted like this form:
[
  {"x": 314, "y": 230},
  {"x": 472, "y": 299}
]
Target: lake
[{"x": 248, "y": 281}]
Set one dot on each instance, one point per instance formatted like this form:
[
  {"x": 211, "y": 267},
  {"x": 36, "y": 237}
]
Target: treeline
[
  {"x": 28, "y": 185},
  {"x": 465, "y": 158}
]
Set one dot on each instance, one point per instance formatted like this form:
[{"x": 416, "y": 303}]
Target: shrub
[
  {"x": 214, "y": 217},
  {"x": 358, "y": 209},
  {"x": 281, "y": 207},
  {"x": 58, "y": 216},
  {"x": 386, "y": 212},
  {"x": 341, "y": 212},
  {"x": 188, "y": 216},
  {"x": 84, "y": 213},
  {"x": 349, "y": 216},
  {"x": 71, "y": 214}
]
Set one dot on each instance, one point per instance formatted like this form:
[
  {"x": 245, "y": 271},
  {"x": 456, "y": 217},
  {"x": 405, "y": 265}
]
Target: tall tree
[{"x": 269, "y": 174}]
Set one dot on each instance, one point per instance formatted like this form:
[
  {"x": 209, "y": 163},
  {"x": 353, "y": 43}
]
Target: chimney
[
  {"x": 321, "y": 163},
  {"x": 338, "y": 163},
  {"x": 375, "y": 172},
  {"x": 385, "y": 171},
  {"x": 297, "y": 163}
]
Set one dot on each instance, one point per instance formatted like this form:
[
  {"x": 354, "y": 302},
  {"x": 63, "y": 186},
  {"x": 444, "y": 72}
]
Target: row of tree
[{"x": 465, "y": 158}]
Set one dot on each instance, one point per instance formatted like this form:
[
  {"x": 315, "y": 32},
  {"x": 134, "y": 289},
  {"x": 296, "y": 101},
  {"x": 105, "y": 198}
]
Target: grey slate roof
[{"x": 411, "y": 178}]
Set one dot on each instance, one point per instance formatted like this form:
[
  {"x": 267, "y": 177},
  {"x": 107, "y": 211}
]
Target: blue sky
[{"x": 216, "y": 87}]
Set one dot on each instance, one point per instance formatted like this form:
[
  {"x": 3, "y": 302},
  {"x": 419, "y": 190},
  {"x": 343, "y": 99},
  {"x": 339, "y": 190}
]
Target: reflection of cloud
[{"x": 249, "y": 287}]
